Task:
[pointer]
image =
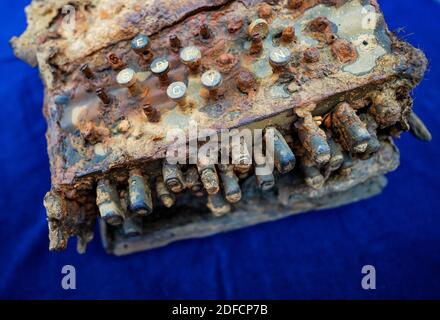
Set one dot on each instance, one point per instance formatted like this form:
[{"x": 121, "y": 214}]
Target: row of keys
[
  {"x": 176, "y": 91},
  {"x": 191, "y": 56},
  {"x": 221, "y": 182}
]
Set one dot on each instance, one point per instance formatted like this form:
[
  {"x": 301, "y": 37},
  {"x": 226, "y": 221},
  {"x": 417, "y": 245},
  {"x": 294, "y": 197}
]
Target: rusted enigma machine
[{"x": 327, "y": 75}]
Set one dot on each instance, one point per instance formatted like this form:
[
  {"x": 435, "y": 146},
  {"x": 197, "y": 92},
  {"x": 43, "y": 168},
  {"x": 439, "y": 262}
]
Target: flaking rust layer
[{"x": 327, "y": 75}]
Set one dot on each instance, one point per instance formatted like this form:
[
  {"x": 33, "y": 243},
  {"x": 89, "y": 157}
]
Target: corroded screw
[
  {"x": 226, "y": 59},
  {"x": 140, "y": 198},
  {"x": 256, "y": 44},
  {"x": 230, "y": 183},
  {"x": 115, "y": 62},
  {"x": 265, "y": 11},
  {"x": 192, "y": 181},
  {"x": 245, "y": 81},
  {"x": 240, "y": 155},
  {"x": 173, "y": 177},
  {"x": 160, "y": 68},
  {"x": 87, "y": 72},
  {"x": 212, "y": 80},
  {"x": 103, "y": 96},
  {"x": 265, "y": 182},
  {"x": 204, "y": 31},
  {"x": 127, "y": 78},
  {"x": 280, "y": 57},
  {"x": 337, "y": 157},
  {"x": 209, "y": 178},
  {"x": 165, "y": 196},
  {"x": 235, "y": 24},
  {"x": 344, "y": 51},
  {"x": 283, "y": 157},
  {"x": 191, "y": 57},
  {"x": 320, "y": 25},
  {"x": 312, "y": 175},
  {"x": 153, "y": 115},
  {"x": 314, "y": 140},
  {"x": 109, "y": 203},
  {"x": 177, "y": 92},
  {"x": 175, "y": 42},
  {"x": 311, "y": 55},
  {"x": 141, "y": 44},
  {"x": 350, "y": 128},
  {"x": 259, "y": 26},
  {"x": 295, "y": 4},
  {"x": 288, "y": 34},
  {"x": 265, "y": 178}
]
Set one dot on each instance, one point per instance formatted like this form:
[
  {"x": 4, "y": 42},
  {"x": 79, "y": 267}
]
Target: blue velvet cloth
[{"x": 318, "y": 255}]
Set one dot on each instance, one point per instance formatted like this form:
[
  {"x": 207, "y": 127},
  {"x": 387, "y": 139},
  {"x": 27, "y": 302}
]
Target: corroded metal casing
[{"x": 328, "y": 76}]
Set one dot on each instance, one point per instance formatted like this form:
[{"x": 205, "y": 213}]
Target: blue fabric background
[{"x": 318, "y": 255}]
